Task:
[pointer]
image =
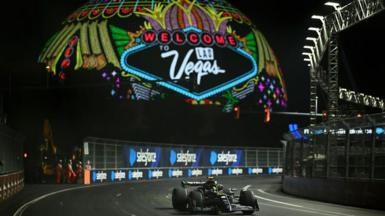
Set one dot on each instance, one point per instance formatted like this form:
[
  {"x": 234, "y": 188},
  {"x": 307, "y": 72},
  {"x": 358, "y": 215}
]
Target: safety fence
[
  {"x": 11, "y": 162},
  {"x": 11, "y": 148},
  {"x": 350, "y": 149},
  {"x": 10, "y": 184},
  {"x": 115, "y": 160}
]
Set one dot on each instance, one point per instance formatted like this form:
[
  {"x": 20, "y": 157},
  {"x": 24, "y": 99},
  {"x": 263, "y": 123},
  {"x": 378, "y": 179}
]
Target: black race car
[{"x": 213, "y": 197}]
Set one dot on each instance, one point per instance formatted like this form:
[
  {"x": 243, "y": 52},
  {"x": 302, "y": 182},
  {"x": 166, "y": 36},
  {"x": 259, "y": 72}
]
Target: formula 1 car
[{"x": 212, "y": 197}]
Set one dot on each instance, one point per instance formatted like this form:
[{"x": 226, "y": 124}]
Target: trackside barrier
[
  {"x": 10, "y": 184},
  {"x": 116, "y": 161},
  {"x": 120, "y": 175}
]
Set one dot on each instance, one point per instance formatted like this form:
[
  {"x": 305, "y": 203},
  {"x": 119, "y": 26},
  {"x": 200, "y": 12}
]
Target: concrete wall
[{"x": 348, "y": 192}]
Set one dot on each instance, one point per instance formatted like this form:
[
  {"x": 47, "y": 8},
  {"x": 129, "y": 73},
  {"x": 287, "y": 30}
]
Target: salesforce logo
[
  {"x": 223, "y": 157},
  {"x": 155, "y": 174},
  {"x": 142, "y": 157},
  {"x": 194, "y": 172},
  {"x": 213, "y": 157},
  {"x": 216, "y": 172},
  {"x": 172, "y": 157},
  {"x": 235, "y": 171},
  {"x": 175, "y": 173},
  {"x": 275, "y": 170},
  {"x": 135, "y": 174},
  {"x": 227, "y": 158},
  {"x": 257, "y": 171},
  {"x": 380, "y": 131},
  {"x": 99, "y": 176},
  {"x": 119, "y": 175},
  {"x": 182, "y": 157}
]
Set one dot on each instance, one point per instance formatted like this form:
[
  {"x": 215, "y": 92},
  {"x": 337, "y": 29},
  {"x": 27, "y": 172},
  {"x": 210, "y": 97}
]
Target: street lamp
[
  {"x": 307, "y": 60},
  {"x": 315, "y": 44},
  {"x": 318, "y": 31},
  {"x": 322, "y": 19},
  {"x": 312, "y": 51},
  {"x": 336, "y": 7},
  {"x": 310, "y": 57}
]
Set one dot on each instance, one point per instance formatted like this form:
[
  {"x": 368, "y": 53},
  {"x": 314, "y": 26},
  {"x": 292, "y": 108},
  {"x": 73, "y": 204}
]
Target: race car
[{"x": 213, "y": 197}]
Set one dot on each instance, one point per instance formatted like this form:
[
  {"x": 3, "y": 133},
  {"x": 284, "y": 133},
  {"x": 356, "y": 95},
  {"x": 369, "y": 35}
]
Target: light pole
[
  {"x": 308, "y": 60},
  {"x": 335, "y": 5},
  {"x": 312, "y": 51},
  {"x": 337, "y": 8},
  {"x": 322, "y": 19},
  {"x": 318, "y": 31},
  {"x": 315, "y": 45},
  {"x": 310, "y": 57}
]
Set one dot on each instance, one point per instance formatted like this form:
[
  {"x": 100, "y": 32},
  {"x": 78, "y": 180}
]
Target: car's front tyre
[
  {"x": 247, "y": 198},
  {"x": 195, "y": 201},
  {"x": 179, "y": 199}
]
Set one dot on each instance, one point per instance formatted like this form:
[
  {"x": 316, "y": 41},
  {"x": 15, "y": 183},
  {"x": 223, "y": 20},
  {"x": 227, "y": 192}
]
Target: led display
[
  {"x": 205, "y": 51},
  {"x": 153, "y": 157}
]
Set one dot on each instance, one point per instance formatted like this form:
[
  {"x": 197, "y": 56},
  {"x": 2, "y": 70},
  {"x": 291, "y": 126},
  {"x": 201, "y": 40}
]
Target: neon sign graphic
[
  {"x": 191, "y": 62},
  {"x": 226, "y": 58}
]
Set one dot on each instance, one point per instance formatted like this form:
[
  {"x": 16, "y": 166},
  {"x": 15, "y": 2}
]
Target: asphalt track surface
[{"x": 154, "y": 198}]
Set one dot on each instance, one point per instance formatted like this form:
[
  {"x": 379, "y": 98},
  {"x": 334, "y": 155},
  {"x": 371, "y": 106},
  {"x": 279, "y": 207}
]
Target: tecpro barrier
[{"x": 114, "y": 161}]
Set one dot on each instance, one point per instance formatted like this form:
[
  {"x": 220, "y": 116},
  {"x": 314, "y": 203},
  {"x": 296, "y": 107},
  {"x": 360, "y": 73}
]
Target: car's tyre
[
  {"x": 247, "y": 198},
  {"x": 195, "y": 201},
  {"x": 179, "y": 199}
]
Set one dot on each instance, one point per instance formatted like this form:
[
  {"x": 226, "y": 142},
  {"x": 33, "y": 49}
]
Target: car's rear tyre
[
  {"x": 247, "y": 198},
  {"x": 179, "y": 199},
  {"x": 195, "y": 201}
]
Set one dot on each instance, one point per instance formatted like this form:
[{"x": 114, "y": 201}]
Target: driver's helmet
[{"x": 210, "y": 183}]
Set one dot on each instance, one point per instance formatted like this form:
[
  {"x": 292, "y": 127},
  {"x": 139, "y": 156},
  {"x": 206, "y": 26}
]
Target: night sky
[{"x": 284, "y": 23}]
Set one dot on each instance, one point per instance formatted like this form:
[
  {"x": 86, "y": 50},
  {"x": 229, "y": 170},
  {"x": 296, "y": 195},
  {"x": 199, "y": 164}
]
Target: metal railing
[
  {"x": 352, "y": 148},
  {"x": 107, "y": 153},
  {"x": 11, "y": 148},
  {"x": 10, "y": 184}
]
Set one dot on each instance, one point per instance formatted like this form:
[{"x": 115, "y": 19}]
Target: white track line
[
  {"x": 297, "y": 209},
  {"x": 22, "y": 208},
  {"x": 278, "y": 202},
  {"x": 302, "y": 208}
]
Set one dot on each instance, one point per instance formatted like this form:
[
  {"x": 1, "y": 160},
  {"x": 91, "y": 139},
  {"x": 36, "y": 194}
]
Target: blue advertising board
[
  {"x": 150, "y": 156},
  {"x": 151, "y": 162}
]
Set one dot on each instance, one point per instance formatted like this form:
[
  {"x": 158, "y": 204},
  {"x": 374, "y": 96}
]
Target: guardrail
[
  {"x": 121, "y": 175},
  {"x": 10, "y": 184},
  {"x": 352, "y": 148}
]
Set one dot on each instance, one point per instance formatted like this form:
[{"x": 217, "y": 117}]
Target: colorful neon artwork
[{"x": 205, "y": 51}]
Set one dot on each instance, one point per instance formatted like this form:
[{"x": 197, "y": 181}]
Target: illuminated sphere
[{"x": 205, "y": 51}]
